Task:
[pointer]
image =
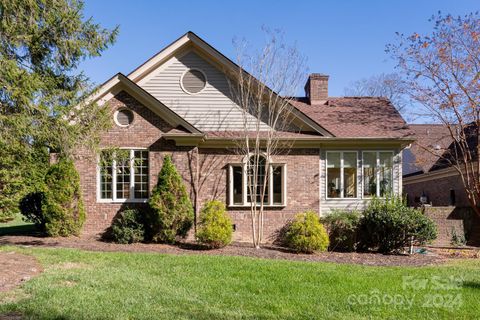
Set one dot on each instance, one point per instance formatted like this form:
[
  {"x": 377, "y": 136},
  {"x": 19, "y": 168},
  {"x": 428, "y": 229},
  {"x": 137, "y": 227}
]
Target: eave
[
  {"x": 202, "y": 140},
  {"x": 428, "y": 176}
]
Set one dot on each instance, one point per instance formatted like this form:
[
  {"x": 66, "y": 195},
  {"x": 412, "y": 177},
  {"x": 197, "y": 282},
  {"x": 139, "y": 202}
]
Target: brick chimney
[{"x": 316, "y": 88}]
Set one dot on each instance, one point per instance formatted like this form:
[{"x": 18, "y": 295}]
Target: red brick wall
[
  {"x": 437, "y": 191},
  {"x": 463, "y": 221},
  {"x": 146, "y": 131},
  {"x": 302, "y": 185}
]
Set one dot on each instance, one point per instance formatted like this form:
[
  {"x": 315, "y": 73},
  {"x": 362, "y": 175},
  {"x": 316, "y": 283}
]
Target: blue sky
[{"x": 345, "y": 39}]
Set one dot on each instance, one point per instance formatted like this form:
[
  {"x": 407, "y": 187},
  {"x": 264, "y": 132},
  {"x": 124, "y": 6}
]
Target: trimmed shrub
[
  {"x": 31, "y": 209},
  {"x": 388, "y": 225},
  {"x": 306, "y": 234},
  {"x": 128, "y": 227},
  {"x": 215, "y": 226},
  {"x": 63, "y": 205},
  {"x": 342, "y": 228},
  {"x": 171, "y": 213}
]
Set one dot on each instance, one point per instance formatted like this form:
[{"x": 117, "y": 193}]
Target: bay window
[
  {"x": 377, "y": 173},
  {"x": 123, "y": 178},
  {"x": 341, "y": 174},
  {"x": 254, "y": 179}
]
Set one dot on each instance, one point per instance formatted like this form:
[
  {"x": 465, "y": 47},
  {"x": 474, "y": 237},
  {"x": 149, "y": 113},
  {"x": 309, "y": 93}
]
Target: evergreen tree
[
  {"x": 62, "y": 206},
  {"x": 41, "y": 44},
  {"x": 171, "y": 213}
]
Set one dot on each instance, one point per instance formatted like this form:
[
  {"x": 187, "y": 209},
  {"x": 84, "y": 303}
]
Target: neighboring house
[
  {"x": 426, "y": 173},
  {"x": 345, "y": 150}
]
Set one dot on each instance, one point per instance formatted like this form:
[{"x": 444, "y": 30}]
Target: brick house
[
  {"x": 178, "y": 103},
  {"x": 427, "y": 174}
]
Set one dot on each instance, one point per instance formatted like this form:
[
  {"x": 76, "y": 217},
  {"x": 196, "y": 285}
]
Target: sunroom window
[
  {"x": 377, "y": 173},
  {"x": 257, "y": 178},
  {"x": 342, "y": 174},
  {"x": 125, "y": 177}
]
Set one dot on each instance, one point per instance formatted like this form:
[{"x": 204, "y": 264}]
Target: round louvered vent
[
  {"x": 124, "y": 117},
  {"x": 193, "y": 81}
]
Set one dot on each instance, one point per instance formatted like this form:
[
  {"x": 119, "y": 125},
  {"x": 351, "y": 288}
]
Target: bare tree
[
  {"x": 388, "y": 85},
  {"x": 442, "y": 72},
  {"x": 263, "y": 93}
]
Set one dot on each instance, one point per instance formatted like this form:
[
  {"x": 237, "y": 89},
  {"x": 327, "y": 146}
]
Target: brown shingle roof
[
  {"x": 356, "y": 117},
  {"x": 430, "y": 136}
]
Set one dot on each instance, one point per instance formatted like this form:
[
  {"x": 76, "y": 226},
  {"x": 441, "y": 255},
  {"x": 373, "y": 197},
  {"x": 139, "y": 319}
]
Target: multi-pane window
[
  {"x": 257, "y": 183},
  {"x": 124, "y": 176},
  {"x": 277, "y": 182},
  {"x": 257, "y": 178},
  {"x": 140, "y": 168},
  {"x": 122, "y": 172},
  {"x": 342, "y": 174},
  {"x": 106, "y": 182},
  {"x": 377, "y": 173}
]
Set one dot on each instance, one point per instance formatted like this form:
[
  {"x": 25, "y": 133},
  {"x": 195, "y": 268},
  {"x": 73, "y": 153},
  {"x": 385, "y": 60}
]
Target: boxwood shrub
[
  {"x": 128, "y": 227},
  {"x": 305, "y": 233},
  {"x": 215, "y": 225}
]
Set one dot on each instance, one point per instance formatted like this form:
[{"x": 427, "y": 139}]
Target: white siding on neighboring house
[
  {"x": 359, "y": 203},
  {"x": 212, "y": 109}
]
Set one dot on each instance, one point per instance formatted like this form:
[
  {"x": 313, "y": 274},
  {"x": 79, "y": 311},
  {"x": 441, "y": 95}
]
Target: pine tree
[
  {"x": 42, "y": 42},
  {"x": 171, "y": 212}
]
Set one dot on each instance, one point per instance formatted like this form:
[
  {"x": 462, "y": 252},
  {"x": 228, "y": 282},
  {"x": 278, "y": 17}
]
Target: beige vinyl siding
[
  {"x": 210, "y": 109},
  {"x": 328, "y": 204}
]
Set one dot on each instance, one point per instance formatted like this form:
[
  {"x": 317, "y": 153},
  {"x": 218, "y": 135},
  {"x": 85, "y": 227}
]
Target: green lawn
[{"x": 91, "y": 285}]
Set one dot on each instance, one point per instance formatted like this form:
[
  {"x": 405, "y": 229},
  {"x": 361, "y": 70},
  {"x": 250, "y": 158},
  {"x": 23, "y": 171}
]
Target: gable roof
[
  {"x": 417, "y": 159},
  {"x": 354, "y": 118},
  {"x": 357, "y": 117},
  {"x": 436, "y": 149},
  {"x": 120, "y": 82},
  {"x": 224, "y": 63}
]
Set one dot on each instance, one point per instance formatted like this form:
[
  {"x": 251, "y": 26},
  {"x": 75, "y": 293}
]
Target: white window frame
[
  {"x": 377, "y": 171},
  {"x": 245, "y": 202},
  {"x": 114, "y": 198},
  {"x": 342, "y": 191}
]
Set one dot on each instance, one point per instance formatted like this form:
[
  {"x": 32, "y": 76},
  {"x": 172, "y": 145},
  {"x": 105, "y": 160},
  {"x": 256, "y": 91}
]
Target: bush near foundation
[{"x": 306, "y": 234}]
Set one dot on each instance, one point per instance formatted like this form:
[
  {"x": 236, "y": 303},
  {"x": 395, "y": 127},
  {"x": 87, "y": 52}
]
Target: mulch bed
[
  {"x": 15, "y": 269},
  {"x": 456, "y": 253},
  {"x": 236, "y": 249}
]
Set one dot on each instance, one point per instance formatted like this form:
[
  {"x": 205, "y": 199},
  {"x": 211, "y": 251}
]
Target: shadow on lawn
[
  {"x": 471, "y": 284},
  {"x": 20, "y": 230}
]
